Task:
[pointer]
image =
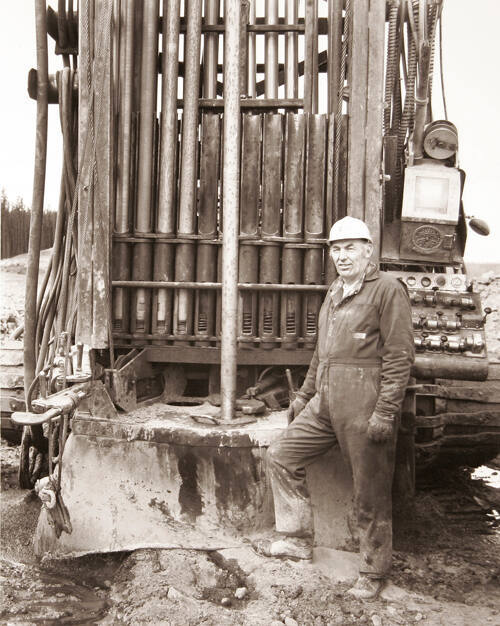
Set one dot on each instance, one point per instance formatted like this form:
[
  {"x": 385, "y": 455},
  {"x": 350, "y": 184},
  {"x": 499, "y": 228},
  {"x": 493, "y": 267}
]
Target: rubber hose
[{"x": 392, "y": 61}]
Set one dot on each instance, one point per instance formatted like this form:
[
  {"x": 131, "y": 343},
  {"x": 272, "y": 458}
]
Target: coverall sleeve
[
  {"x": 398, "y": 350},
  {"x": 308, "y": 388}
]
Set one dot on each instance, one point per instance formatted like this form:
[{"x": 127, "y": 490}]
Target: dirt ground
[{"x": 446, "y": 564}]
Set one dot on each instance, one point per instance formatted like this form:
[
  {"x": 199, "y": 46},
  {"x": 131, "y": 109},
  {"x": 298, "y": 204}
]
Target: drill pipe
[
  {"x": 249, "y": 223},
  {"x": 251, "y": 65},
  {"x": 231, "y": 202},
  {"x": 164, "y": 253},
  {"x": 206, "y": 262},
  {"x": 293, "y": 219},
  {"x": 271, "y": 51},
  {"x": 121, "y": 251},
  {"x": 291, "y": 51},
  {"x": 143, "y": 253},
  {"x": 185, "y": 254},
  {"x": 271, "y": 200}
]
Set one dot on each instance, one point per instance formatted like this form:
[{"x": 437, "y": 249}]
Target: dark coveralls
[{"x": 360, "y": 366}]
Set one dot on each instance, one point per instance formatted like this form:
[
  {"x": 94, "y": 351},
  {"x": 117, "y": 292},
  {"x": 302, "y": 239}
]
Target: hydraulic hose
[
  {"x": 38, "y": 193},
  {"x": 392, "y": 61}
]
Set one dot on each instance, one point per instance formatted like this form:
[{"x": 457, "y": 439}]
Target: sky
[{"x": 470, "y": 58}]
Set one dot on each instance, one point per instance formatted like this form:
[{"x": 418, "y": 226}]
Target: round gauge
[
  {"x": 441, "y": 280},
  {"x": 456, "y": 281},
  {"x": 426, "y": 281},
  {"x": 426, "y": 239},
  {"x": 440, "y": 139},
  {"x": 411, "y": 280}
]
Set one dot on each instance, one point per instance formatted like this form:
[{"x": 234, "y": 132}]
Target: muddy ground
[{"x": 446, "y": 565}]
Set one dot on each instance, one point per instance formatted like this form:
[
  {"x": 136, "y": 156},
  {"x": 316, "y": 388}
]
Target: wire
[{"x": 441, "y": 64}]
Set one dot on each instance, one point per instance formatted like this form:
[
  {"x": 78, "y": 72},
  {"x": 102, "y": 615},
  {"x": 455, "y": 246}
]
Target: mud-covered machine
[{"x": 208, "y": 146}]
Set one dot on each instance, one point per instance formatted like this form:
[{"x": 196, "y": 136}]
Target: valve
[
  {"x": 79, "y": 376},
  {"x": 487, "y": 311}
]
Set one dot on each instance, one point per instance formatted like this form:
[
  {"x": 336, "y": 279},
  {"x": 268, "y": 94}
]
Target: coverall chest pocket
[{"x": 362, "y": 319}]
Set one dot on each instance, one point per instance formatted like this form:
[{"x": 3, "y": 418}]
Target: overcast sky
[{"x": 471, "y": 44}]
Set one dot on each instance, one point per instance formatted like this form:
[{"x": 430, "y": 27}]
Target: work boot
[
  {"x": 366, "y": 588},
  {"x": 296, "y": 548}
]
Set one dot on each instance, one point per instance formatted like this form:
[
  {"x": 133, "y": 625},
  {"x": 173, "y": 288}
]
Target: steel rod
[
  {"x": 231, "y": 201},
  {"x": 122, "y": 218},
  {"x": 271, "y": 51},
  {"x": 170, "y": 59},
  {"x": 38, "y": 194},
  {"x": 252, "y": 50},
  {"x": 334, "y": 51},
  {"x": 291, "y": 51},
  {"x": 186, "y": 224},
  {"x": 187, "y": 205},
  {"x": 148, "y": 111},
  {"x": 175, "y": 284},
  {"x": 121, "y": 252},
  {"x": 210, "y": 50},
  {"x": 163, "y": 265},
  {"x": 142, "y": 259}
]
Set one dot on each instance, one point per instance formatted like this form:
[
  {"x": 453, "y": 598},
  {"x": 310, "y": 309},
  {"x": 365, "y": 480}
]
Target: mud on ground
[{"x": 446, "y": 570}]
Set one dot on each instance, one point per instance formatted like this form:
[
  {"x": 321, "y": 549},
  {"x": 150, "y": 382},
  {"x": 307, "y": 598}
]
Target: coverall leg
[{"x": 334, "y": 416}]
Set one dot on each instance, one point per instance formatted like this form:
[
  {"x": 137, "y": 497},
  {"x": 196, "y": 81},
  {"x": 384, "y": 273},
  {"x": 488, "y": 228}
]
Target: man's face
[{"x": 351, "y": 256}]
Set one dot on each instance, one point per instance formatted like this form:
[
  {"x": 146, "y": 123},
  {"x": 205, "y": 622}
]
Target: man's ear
[{"x": 369, "y": 249}]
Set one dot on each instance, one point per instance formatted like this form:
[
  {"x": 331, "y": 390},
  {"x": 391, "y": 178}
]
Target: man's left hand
[{"x": 380, "y": 429}]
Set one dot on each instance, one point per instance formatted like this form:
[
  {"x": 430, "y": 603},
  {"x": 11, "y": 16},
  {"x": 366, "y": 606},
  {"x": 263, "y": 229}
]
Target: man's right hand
[{"x": 295, "y": 408}]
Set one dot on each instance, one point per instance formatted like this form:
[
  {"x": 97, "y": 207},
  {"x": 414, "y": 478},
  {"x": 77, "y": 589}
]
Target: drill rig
[{"x": 208, "y": 148}]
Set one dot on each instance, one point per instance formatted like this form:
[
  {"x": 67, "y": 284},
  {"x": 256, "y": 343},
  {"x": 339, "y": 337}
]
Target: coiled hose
[{"x": 392, "y": 61}]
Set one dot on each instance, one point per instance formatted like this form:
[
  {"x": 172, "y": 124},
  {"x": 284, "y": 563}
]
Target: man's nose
[{"x": 342, "y": 254}]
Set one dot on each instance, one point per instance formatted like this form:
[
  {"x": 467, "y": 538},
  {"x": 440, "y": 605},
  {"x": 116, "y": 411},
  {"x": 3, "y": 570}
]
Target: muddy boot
[
  {"x": 297, "y": 548},
  {"x": 366, "y": 588}
]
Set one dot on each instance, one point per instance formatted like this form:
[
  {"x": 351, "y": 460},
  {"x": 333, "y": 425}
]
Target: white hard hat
[{"x": 349, "y": 228}]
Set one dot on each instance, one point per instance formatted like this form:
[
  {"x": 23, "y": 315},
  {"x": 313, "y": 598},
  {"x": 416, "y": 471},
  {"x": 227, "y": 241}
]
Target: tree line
[{"x": 15, "y": 227}]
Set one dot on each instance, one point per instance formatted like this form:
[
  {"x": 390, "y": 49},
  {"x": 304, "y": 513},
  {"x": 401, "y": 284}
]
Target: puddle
[{"x": 68, "y": 592}]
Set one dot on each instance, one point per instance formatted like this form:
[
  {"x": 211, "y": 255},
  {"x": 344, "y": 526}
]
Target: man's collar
[{"x": 371, "y": 273}]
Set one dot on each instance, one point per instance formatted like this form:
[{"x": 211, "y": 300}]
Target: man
[{"x": 352, "y": 396}]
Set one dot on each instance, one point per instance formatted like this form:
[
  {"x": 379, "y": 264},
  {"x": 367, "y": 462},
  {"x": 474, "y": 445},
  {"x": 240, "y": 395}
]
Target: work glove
[
  {"x": 296, "y": 406},
  {"x": 380, "y": 429}
]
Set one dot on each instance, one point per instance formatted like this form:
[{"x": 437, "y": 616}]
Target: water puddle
[{"x": 68, "y": 592}]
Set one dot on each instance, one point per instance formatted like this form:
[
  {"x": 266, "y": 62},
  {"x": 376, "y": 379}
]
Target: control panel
[{"x": 447, "y": 316}]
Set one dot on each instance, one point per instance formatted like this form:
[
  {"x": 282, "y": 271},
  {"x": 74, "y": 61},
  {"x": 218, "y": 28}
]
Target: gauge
[
  {"x": 411, "y": 280},
  {"x": 426, "y": 281}
]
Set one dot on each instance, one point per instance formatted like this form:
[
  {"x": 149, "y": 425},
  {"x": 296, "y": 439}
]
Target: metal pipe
[
  {"x": 121, "y": 251},
  {"x": 148, "y": 108},
  {"x": 311, "y": 57},
  {"x": 249, "y": 221},
  {"x": 251, "y": 65},
  {"x": 231, "y": 201},
  {"x": 187, "y": 204},
  {"x": 210, "y": 50},
  {"x": 271, "y": 51},
  {"x": 168, "y": 145},
  {"x": 206, "y": 262},
  {"x": 164, "y": 253},
  {"x": 291, "y": 51},
  {"x": 142, "y": 257},
  {"x": 38, "y": 194},
  {"x": 334, "y": 51},
  {"x": 175, "y": 284},
  {"x": 185, "y": 254},
  {"x": 269, "y": 271},
  {"x": 122, "y": 217}
]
